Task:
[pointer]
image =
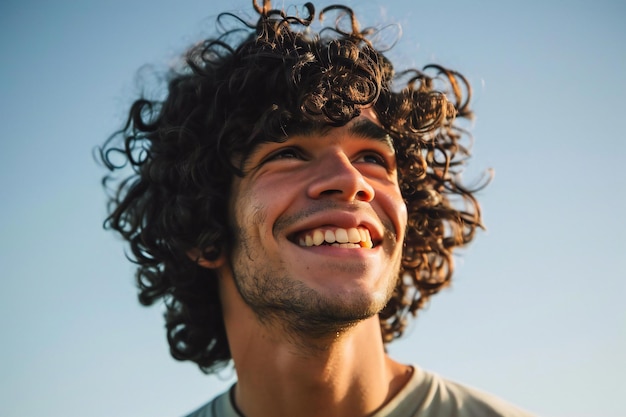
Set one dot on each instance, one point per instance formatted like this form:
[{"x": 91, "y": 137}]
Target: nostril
[
  {"x": 330, "y": 192},
  {"x": 362, "y": 195}
]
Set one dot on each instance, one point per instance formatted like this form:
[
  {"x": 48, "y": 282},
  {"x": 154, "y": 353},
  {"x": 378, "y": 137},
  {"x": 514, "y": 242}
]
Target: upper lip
[{"x": 341, "y": 219}]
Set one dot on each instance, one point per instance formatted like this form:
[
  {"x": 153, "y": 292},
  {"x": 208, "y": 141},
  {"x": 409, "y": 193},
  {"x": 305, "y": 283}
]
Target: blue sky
[{"x": 536, "y": 313}]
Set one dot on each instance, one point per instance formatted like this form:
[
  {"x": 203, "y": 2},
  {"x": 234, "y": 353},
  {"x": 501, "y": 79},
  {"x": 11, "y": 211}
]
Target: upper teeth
[{"x": 353, "y": 237}]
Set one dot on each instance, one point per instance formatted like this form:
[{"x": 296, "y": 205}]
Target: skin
[{"x": 302, "y": 322}]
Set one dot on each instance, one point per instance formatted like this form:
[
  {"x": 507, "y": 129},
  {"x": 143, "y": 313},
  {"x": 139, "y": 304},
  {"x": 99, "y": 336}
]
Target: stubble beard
[{"x": 300, "y": 312}]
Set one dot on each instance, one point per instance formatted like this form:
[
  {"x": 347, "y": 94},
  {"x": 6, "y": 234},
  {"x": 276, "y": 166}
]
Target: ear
[{"x": 197, "y": 256}]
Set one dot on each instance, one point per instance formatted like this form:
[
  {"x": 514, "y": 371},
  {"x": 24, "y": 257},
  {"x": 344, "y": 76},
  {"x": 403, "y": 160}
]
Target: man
[{"x": 292, "y": 200}]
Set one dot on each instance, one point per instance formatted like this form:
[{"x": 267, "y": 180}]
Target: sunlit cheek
[
  {"x": 395, "y": 209},
  {"x": 403, "y": 216}
]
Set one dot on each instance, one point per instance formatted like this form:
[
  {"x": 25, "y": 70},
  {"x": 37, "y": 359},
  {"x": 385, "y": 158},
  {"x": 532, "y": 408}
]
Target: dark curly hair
[{"x": 253, "y": 83}]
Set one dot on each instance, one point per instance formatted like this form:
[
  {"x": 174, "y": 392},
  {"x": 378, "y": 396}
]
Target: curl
[{"x": 257, "y": 82}]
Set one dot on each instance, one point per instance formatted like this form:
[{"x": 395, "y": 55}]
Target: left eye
[{"x": 373, "y": 158}]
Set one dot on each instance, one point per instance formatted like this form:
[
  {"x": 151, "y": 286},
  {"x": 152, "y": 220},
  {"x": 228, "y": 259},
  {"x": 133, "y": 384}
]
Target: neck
[{"x": 285, "y": 374}]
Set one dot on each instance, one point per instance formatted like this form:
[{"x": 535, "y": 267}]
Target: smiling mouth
[{"x": 354, "y": 237}]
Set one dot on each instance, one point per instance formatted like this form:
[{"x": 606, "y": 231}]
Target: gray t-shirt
[{"x": 425, "y": 395}]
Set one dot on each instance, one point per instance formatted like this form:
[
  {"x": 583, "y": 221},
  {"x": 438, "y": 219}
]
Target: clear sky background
[{"x": 536, "y": 313}]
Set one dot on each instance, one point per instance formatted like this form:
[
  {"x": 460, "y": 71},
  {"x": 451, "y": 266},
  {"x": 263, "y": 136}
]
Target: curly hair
[{"x": 253, "y": 83}]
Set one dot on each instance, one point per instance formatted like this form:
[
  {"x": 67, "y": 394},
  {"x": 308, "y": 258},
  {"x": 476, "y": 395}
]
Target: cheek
[
  {"x": 242, "y": 211},
  {"x": 395, "y": 209},
  {"x": 404, "y": 217},
  {"x": 401, "y": 218},
  {"x": 258, "y": 207},
  {"x": 248, "y": 211}
]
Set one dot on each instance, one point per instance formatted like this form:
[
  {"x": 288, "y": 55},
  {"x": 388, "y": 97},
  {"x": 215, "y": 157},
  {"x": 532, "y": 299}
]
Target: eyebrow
[
  {"x": 363, "y": 128},
  {"x": 367, "y": 129}
]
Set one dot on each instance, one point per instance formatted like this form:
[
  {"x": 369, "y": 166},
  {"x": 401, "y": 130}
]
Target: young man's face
[{"x": 299, "y": 196}]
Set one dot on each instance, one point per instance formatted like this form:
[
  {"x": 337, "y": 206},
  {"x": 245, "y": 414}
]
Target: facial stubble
[{"x": 303, "y": 313}]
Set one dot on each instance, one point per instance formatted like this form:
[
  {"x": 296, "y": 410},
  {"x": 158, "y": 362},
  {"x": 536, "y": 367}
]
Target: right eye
[{"x": 284, "y": 153}]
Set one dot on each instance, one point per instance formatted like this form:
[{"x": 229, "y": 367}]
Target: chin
[{"x": 353, "y": 306}]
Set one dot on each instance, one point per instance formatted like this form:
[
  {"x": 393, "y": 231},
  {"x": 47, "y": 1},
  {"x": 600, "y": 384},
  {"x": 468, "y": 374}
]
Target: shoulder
[
  {"x": 428, "y": 395},
  {"x": 219, "y": 406}
]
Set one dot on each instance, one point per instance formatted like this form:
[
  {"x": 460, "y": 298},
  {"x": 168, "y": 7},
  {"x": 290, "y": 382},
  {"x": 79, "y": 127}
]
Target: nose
[{"x": 335, "y": 176}]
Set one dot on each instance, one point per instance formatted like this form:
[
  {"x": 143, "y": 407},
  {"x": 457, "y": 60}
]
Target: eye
[
  {"x": 373, "y": 158},
  {"x": 284, "y": 153}
]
